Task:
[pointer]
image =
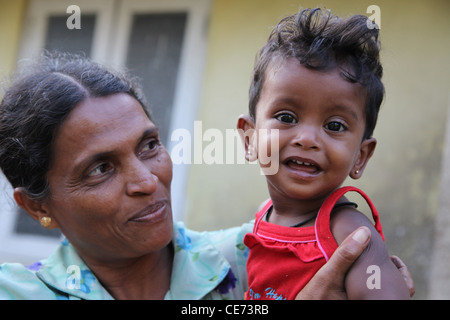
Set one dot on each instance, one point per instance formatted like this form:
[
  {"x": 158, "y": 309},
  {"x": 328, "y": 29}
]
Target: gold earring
[
  {"x": 45, "y": 221},
  {"x": 356, "y": 171}
]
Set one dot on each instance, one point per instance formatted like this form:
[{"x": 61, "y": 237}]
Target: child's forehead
[
  {"x": 279, "y": 62},
  {"x": 280, "y": 67},
  {"x": 288, "y": 82},
  {"x": 342, "y": 72}
]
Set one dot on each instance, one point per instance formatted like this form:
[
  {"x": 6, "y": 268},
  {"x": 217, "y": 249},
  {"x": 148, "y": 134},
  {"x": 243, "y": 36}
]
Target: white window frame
[
  {"x": 36, "y": 21},
  {"x": 111, "y": 35},
  {"x": 189, "y": 81}
]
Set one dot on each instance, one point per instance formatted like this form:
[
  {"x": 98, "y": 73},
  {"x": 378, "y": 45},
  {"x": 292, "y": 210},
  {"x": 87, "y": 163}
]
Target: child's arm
[{"x": 373, "y": 275}]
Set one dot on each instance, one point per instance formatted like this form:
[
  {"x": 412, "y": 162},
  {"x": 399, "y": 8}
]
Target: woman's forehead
[
  {"x": 105, "y": 113},
  {"x": 101, "y": 123}
]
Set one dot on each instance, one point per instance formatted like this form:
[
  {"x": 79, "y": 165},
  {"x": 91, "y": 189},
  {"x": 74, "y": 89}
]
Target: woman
[{"x": 84, "y": 156}]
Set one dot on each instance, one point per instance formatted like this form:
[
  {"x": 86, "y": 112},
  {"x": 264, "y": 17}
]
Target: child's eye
[
  {"x": 286, "y": 118},
  {"x": 335, "y": 126}
]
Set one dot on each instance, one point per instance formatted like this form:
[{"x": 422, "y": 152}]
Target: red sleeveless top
[{"x": 282, "y": 259}]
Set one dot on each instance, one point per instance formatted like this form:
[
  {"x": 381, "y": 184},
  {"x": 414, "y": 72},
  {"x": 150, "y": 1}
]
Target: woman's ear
[
  {"x": 246, "y": 129},
  {"x": 365, "y": 153},
  {"x": 38, "y": 210}
]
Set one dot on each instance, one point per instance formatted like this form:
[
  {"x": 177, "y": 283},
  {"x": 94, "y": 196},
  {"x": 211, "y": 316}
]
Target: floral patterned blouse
[{"x": 207, "y": 265}]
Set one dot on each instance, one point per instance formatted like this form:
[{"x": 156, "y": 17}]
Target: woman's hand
[
  {"x": 328, "y": 282},
  {"x": 405, "y": 273}
]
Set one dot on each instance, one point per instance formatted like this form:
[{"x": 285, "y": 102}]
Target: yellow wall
[
  {"x": 11, "y": 15},
  {"x": 403, "y": 176}
]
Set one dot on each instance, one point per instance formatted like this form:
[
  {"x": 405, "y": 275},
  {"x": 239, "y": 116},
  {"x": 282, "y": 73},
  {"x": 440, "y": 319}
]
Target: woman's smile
[{"x": 153, "y": 213}]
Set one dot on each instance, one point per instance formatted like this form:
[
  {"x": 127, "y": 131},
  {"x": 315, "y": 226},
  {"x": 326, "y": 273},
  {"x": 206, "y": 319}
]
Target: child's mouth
[{"x": 303, "y": 165}]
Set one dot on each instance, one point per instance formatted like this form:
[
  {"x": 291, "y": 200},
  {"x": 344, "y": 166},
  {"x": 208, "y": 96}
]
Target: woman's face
[{"x": 110, "y": 180}]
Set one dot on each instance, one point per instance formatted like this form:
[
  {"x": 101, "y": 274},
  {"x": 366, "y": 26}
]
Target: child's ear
[
  {"x": 246, "y": 129},
  {"x": 36, "y": 209},
  {"x": 365, "y": 153}
]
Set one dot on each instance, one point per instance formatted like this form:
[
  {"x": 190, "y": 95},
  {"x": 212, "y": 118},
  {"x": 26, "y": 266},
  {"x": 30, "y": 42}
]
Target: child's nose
[{"x": 307, "y": 137}]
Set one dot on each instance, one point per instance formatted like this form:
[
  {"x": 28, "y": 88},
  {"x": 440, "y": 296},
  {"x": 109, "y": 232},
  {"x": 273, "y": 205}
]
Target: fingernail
[{"x": 361, "y": 236}]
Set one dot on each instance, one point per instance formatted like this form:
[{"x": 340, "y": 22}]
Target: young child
[{"x": 317, "y": 84}]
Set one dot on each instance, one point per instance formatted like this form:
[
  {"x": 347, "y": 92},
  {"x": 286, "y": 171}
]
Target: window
[
  {"x": 154, "y": 51},
  {"x": 72, "y": 40},
  {"x": 160, "y": 41}
]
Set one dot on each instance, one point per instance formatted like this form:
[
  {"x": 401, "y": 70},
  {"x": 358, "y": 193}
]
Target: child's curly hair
[{"x": 322, "y": 41}]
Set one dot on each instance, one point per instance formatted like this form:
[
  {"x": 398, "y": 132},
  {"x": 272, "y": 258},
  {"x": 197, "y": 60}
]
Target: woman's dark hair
[
  {"x": 37, "y": 103},
  {"x": 321, "y": 41}
]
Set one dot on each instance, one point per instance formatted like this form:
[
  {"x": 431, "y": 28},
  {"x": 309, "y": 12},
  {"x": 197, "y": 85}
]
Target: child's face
[{"x": 321, "y": 122}]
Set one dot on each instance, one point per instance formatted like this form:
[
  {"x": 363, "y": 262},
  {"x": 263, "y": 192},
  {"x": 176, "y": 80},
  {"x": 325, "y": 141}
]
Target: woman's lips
[{"x": 151, "y": 213}]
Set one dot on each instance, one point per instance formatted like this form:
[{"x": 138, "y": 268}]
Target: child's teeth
[{"x": 302, "y": 163}]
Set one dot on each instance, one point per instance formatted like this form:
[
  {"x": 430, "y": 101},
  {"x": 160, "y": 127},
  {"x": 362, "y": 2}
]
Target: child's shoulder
[
  {"x": 388, "y": 280},
  {"x": 346, "y": 219}
]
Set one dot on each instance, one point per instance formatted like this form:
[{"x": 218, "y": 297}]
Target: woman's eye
[
  {"x": 286, "y": 118},
  {"x": 149, "y": 146},
  {"x": 335, "y": 126},
  {"x": 99, "y": 170}
]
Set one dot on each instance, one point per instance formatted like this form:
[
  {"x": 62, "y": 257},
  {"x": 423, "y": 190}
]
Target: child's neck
[{"x": 292, "y": 213}]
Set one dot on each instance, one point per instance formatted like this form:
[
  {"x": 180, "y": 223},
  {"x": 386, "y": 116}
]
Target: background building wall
[{"x": 11, "y": 18}]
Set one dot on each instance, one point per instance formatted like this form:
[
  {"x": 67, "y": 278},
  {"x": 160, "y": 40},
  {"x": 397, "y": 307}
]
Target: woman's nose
[{"x": 141, "y": 180}]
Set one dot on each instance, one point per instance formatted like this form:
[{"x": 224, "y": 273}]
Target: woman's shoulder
[
  {"x": 223, "y": 251},
  {"x": 61, "y": 276},
  {"x": 19, "y": 282},
  {"x": 224, "y": 239},
  {"x": 235, "y": 234}
]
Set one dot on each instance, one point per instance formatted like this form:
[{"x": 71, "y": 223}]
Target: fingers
[
  {"x": 350, "y": 249},
  {"x": 405, "y": 273}
]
